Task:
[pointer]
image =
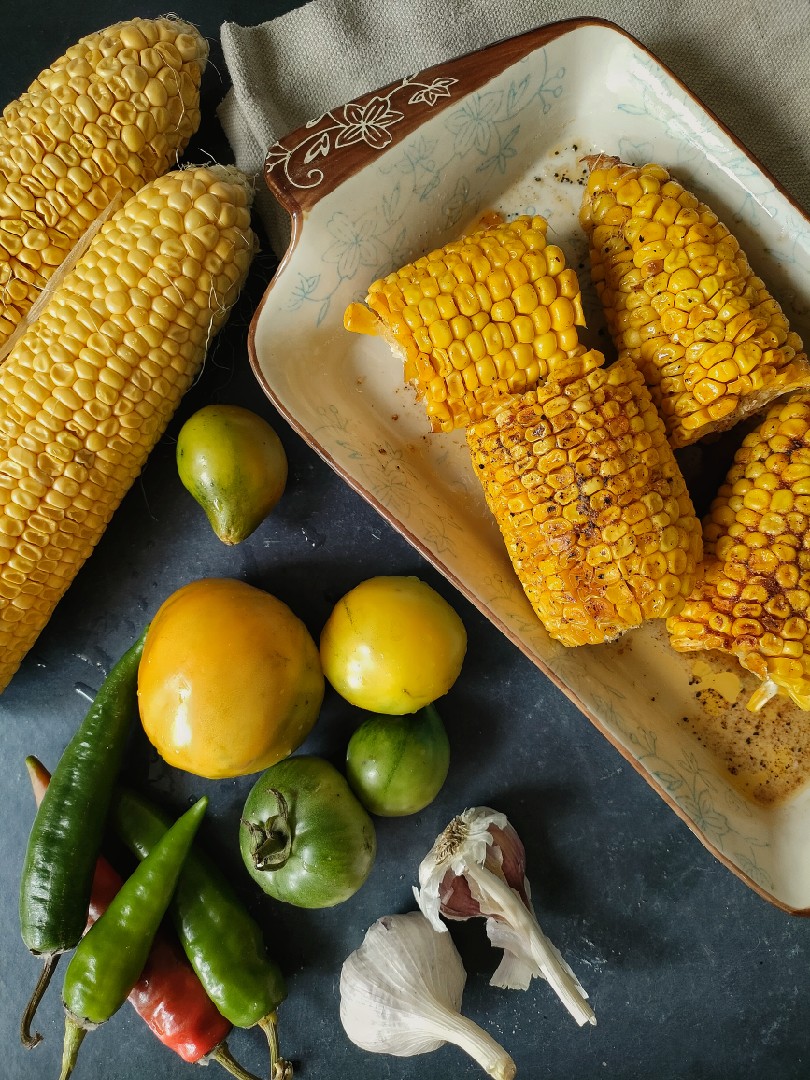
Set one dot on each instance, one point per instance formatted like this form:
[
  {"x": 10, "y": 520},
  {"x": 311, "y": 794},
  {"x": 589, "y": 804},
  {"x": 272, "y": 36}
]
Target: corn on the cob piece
[
  {"x": 492, "y": 313},
  {"x": 681, "y": 298},
  {"x": 754, "y": 599},
  {"x": 113, "y": 113},
  {"x": 90, "y": 386},
  {"x": 591, "y": 503}
]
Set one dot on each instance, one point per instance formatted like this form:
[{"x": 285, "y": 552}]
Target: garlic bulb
[
  {"x": 400, "y": 993},
  {"x": 477, "y": 866}
]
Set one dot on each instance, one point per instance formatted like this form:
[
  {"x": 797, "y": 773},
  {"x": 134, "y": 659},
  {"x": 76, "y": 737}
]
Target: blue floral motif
[
  {"x": 551, "y": 85},
  {"x": 303, "y": 290},
  {"x": 473, "y": 123},
  {"x": 437, "y": 535},
  {"x": 419, "y": 163},
  {"x": 751, "y": 866},
  {"x": 458, "y": 204},
  {"x": 354, "y": 245},
  {"x": 501, "y": 156},
  {"x": 517, "y": 94}
]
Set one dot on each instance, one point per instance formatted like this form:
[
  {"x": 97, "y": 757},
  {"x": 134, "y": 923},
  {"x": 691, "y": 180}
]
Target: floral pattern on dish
[
  {"x": 369, "y": 123},
  {"x": 481, "y": 134}
]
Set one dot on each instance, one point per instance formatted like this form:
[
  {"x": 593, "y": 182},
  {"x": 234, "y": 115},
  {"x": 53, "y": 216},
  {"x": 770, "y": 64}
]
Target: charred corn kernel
[
  {"x": 113, "y": 113},
  {"x": 598, "y": 543},
  {"x": 74, "y": 432},
  {"x": 757, "y": 566},
  {"x": 490, "y": 314},
  {"x": 707, "y": 301}
]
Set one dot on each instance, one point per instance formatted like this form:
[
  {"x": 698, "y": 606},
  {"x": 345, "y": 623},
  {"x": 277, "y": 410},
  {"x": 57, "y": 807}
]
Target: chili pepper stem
[
  {"x": 74, "y": 1034},
  {"x": 26, "y": 1038},
  {"x": 280, "y": 1069},
  {"x": 223, "y": 1056}
]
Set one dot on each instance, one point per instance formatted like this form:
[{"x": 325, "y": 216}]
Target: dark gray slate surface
[{"x": 692, "y": 976}]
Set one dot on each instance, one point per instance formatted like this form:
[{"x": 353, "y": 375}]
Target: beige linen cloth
[{"x": 747, "y": 60}]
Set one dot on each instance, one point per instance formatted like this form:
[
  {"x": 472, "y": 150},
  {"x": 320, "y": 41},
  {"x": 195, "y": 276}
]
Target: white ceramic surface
[{"x": 516, "y": 145}]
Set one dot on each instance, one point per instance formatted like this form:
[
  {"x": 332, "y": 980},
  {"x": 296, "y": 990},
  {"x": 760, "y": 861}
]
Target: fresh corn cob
[
  {"x": 113, "y": 113},
  {"x": 754, "y": 599},
  {"x": 88, "y": 389},
  {"x": 492, "y": 313},
  {"x": 680, "y": 297},
  {"x": 591, "y": 503}
]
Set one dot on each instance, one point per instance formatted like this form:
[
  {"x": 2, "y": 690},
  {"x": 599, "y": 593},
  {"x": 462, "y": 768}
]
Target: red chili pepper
[{"x": 168, "y": 996}]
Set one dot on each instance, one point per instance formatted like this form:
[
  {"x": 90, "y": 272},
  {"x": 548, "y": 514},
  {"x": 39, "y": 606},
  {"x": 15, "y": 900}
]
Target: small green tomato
[
  {"x": 397, "y": 765},
  {"x": 233, "y": 463},
  {"x": 304, "y": 837}
]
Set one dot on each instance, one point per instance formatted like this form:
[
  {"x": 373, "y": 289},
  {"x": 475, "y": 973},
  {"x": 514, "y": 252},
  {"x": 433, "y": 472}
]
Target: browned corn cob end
[
  {"x": 590, "y": 501},
  {"x": 681, "y": 299},
  {"x": 754, "y": 600},
  {"x": 492, "y": 313}
]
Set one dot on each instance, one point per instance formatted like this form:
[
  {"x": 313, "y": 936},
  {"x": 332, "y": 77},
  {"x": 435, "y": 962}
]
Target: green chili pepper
[
  {"x": 113, "y": 952},
  {"x": 66, "y": 836},
  {"x": 222, "y": 941}
]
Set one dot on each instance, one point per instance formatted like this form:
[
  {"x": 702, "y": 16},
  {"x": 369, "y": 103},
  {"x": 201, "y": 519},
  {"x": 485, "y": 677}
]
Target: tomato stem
[
  {"x": 28, "y": 1040},
  {"x": 271, "y": 840},
  {"x": 280, "y": 1068}
]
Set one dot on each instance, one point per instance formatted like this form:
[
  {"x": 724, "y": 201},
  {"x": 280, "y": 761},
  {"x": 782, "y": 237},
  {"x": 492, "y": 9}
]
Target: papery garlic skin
[
  {"x": 400, "y": 994},
  {"x": 392, "y": 982},
  {"x": 477, "y": 867},
  {"x": 466, "y": 842}
]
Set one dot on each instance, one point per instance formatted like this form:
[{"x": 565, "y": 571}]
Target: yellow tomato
[
  {"x": 230, "y": 681},
  {"x": 392, "y": 645}
]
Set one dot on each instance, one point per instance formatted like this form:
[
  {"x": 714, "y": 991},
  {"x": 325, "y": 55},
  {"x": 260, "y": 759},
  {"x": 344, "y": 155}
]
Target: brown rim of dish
[{"x": 296, "y": 174}]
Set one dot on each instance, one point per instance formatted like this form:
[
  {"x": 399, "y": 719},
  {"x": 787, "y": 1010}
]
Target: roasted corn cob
[
  {"x": 90, "y": 386},
  {"x": 113, "y": 113},
  {"x": 754, "y": 599},
  {"x": 591, "y": 503},
  {"x": 492, "y": 313},
  {"x": 681, "y": 299}
]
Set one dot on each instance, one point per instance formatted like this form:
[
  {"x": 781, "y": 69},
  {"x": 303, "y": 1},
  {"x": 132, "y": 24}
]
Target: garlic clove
[
  {"x": 477, "y": 867},
  {"x": 512, "y": 855},
  {"x": 464, "y": 843},
  {"x": 400, "y": 994}
]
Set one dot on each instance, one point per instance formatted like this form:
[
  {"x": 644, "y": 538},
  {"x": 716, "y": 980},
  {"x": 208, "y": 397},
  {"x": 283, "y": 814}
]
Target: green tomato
[
  {"x": 392, "y": 645},
  {"x": 233, "y": 463},
  {"x": 397, "y": 764},
  {"x": 304, "y": 837}
]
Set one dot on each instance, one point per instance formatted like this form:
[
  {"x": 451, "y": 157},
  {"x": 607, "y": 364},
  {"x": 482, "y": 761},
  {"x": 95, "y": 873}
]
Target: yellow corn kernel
[
  {"x": 360, "y": 320},
  {"x": 492, "y": 313},
  {"x": 753, "y": 535},
  {"x": 705, "y": 293},
  {"x": 83, "y": 434},
  {"x": 96, "y": 125},
  {"x": 600, "y": 529},
  {"x": 503, "y": 310}
]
